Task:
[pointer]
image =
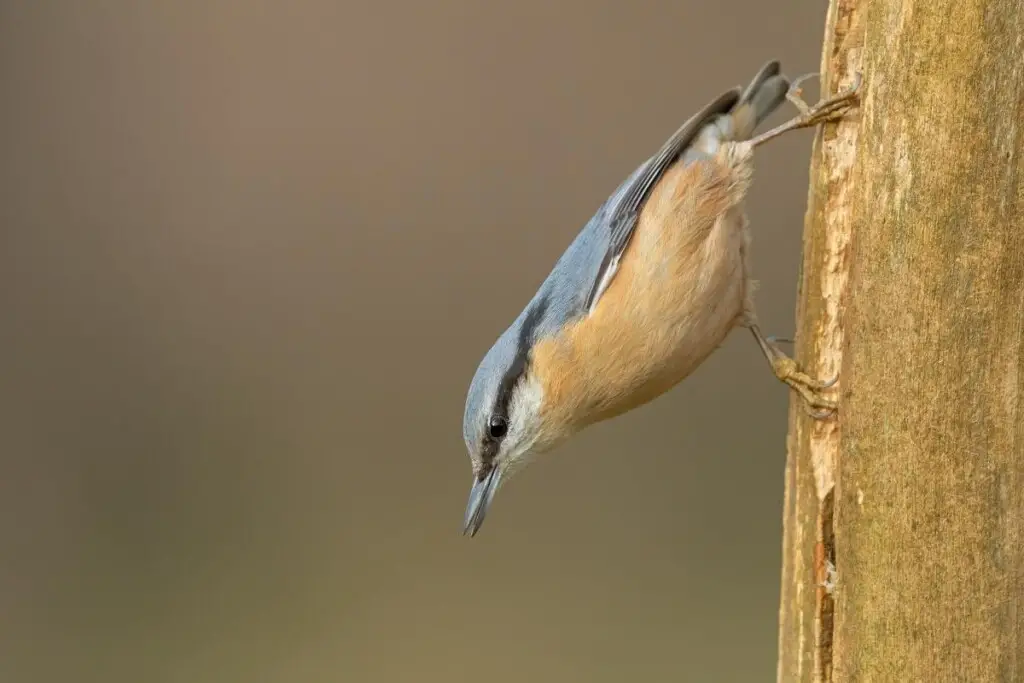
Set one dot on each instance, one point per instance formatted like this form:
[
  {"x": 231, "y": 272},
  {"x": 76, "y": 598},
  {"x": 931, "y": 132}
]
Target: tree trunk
[{"x": 913, "y": 287}]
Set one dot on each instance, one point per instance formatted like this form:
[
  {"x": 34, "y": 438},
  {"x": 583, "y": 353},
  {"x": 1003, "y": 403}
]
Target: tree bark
[{"x": 913, "y": 289}]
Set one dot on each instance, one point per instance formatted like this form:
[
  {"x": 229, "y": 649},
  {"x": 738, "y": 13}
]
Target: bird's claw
[
  {"x": 819, "y": 414},
  {"x": 817, "y": 406},
  {"x": 787, "y": 371},
  {"x": 795, "y": 90},
  {"x": 828, "y": 109},
  {"x": 773, "y": 341},
  {"x": 831, "y": 383}
]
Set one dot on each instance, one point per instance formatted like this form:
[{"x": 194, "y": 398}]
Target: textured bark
[{"x": 913, "y": 285}]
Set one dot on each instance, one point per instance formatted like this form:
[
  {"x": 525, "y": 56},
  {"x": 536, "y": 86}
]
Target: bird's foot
[
  {"x": 828, "y": 109},
  {"x": 788, "y": 371}
]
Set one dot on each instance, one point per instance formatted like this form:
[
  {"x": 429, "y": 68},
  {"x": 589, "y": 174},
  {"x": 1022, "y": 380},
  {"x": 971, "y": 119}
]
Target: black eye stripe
[{"x": 511, "y": 377}]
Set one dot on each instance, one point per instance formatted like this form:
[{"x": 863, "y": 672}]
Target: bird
[{"x": 648, "y": 289}]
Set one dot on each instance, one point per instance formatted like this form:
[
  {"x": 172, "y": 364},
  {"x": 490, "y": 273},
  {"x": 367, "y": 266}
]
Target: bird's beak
[{"x": 480, "y": 497}]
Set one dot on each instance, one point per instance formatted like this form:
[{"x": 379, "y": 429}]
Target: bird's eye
[{"x": 497, "y": 427}]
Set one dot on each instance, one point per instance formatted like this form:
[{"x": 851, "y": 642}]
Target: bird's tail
[
  {"x": 762, "y": 97},
  {"x": 755, "y": 104}
]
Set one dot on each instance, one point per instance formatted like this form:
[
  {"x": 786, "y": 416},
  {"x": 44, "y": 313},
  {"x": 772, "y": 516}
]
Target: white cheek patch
[{"x": 525, "y": 426}]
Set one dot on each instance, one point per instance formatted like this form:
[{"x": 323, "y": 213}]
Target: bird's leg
[
  {"x": 786, "y": 369},
  {"x": 772, "y": 339},
  {"x": 824, "y": 111}
]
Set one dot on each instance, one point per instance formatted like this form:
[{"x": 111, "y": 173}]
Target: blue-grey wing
[{"x": 622, "y": 210}]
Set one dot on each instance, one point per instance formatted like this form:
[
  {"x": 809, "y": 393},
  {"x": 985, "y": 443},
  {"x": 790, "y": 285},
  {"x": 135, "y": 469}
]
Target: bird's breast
[{"x": 680, "y": 288}]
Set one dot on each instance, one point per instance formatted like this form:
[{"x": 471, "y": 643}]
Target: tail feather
[
  {"x": 758, "y": 101},
  {"x": 766, "y": 73},
  {"x": 762, "y": 97}
]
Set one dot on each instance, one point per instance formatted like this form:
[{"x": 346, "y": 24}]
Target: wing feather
[{"x": 623, "y": 210}]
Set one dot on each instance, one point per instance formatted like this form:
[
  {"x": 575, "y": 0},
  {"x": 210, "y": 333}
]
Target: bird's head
[{"x": 507, "y": 421}]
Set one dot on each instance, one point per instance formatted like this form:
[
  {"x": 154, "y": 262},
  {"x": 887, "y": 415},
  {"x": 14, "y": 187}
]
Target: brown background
[{"x": 251, "y": 254}]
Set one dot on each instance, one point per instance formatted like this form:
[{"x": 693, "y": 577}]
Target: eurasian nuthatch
[{"x": 651, "y": 285}]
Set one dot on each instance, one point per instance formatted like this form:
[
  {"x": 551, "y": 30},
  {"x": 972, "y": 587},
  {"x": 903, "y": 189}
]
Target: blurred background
[{"x": 250, "y": 255}]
